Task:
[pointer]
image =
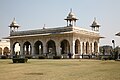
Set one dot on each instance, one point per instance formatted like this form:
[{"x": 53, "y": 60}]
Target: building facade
[
  {"x": 60, "y": 41},
  {"x": 4, "y": 47},
  {"x": 118, "y": 34}
]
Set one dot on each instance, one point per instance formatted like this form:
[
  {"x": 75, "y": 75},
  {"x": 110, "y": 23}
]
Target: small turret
[
  {"x": 95, "y": 26},
  {"x": 14, "y": 26},
  {"x": 71, "y": 19}
]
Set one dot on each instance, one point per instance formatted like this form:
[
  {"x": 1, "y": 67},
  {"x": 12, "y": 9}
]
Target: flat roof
[{"x": 50, "y": 31}]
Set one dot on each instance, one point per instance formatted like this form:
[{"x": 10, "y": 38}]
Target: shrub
[
  {"x": 115, "y": 55},
  {"x": 20, "y": 60},
  {"x": 28, "y": 56},
  {"x": 110, "y": 58},
  {"x": 104, "y": 58},
  {"x": 42, "y": 57},
  {"x": 3, "y": 57},
  {"x": 86, "y": 56},
  {"x": 56, "y": 57}
]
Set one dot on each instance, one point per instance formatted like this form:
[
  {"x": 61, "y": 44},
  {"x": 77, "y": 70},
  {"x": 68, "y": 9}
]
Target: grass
[{"x": 63, "y": 69}]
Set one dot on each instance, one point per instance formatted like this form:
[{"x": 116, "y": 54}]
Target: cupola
[
  {"x": 14, "y": 26},
  {"x": 95, "y": 26},
  {"x": 71, "y": 19}
]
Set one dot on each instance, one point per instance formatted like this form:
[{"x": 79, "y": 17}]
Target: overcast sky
[{"x": 33, "y": 14}]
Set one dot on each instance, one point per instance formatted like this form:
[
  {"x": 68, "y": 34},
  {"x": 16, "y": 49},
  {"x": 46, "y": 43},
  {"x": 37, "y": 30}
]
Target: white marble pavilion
[{"x": 60, "y": 41}]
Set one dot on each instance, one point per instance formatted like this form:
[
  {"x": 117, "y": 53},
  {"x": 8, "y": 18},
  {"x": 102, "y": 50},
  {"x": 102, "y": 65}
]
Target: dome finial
[
  {"x": 70, "y": 9},
  {"x": 94, "y": 18},
  {"x": 44, "y": 26},
  {"x": 14, "y": 19}
]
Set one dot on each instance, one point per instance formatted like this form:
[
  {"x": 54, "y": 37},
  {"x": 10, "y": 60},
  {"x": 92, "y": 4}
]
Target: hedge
[{"x": 20, "y": 60}]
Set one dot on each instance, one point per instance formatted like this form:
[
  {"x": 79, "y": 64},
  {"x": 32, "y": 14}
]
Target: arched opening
[
  {"x": 91, "y": 48},
  {"x": 51, "y": 47},
  {"x": 38, "y": 48},
  {"x": 83, "y": 48},
  {"x": 77, "y": 47},
  {"x": 0, "y": 51},
  {"x": 16, "y": 48},
  {"x": 27, "y": 48},
  {"x": 87, "y": 47},
  {"x": 6, "y": 51},
  {"x": 95, "y": 47},
  {"x": 65, "y": 47}
]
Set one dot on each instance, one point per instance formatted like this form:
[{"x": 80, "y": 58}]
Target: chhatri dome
[
  {"x": 71, "y": 15},
  {"x": 95, "y": 23},
  {"x": 95, "y": 26},
  {"x": 14, "y": 25},
  {"x": 71, "y": 19}
]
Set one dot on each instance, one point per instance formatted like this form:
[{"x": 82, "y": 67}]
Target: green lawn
[{"x": 63, "y": 69}]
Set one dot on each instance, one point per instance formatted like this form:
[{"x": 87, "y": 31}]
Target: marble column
[
  {"x": 81, "y": 46},
  {"x": 21, "y": 50},
  {"x": 33, "y": 50},
  {"x": 93, "y": 48},
  {"x": 44, "y": 48},
  {"x": 11, "y": 48},
  {"x": 2, "y": 51},
  {"x": 72, "y": 48},
  {"x": 58, "y": 49}
]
